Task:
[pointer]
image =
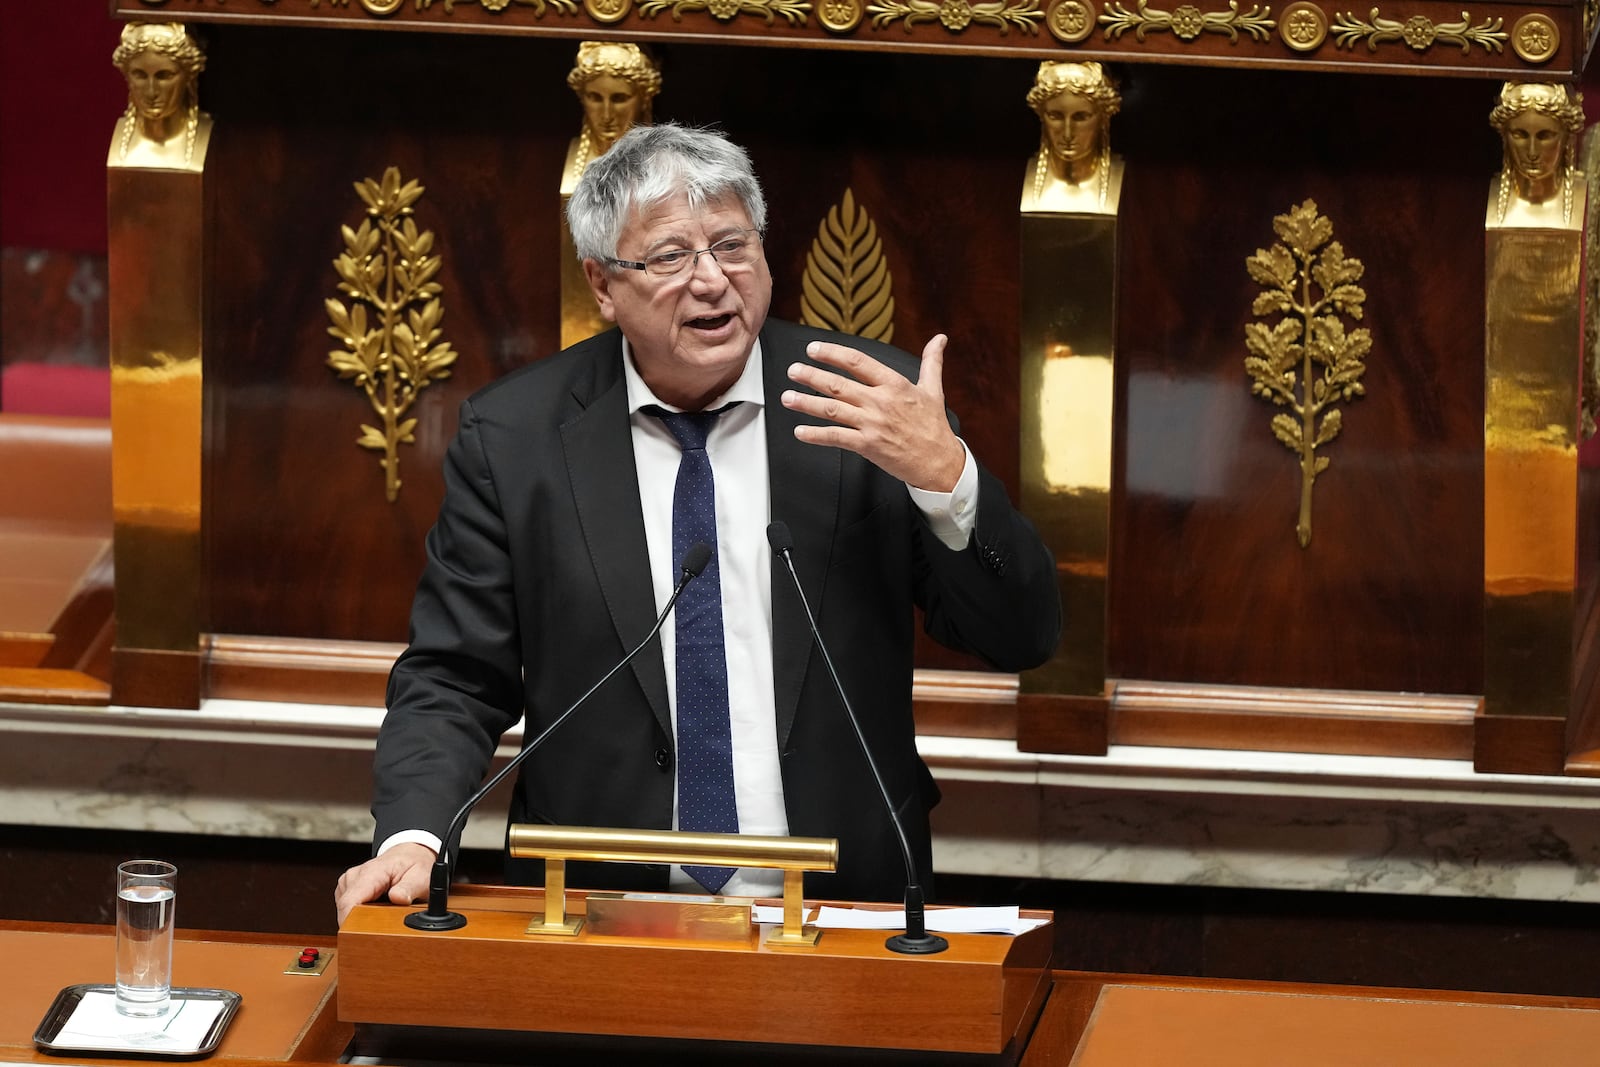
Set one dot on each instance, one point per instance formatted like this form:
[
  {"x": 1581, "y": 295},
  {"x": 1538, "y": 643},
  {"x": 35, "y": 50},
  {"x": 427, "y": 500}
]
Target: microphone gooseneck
[
  {"x": 438, "y": 916},
  {"x": 916, "y": 940}
]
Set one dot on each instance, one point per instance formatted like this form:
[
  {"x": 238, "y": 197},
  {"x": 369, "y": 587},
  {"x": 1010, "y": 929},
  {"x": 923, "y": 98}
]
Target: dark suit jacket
[{"x": 537, "y": 581}]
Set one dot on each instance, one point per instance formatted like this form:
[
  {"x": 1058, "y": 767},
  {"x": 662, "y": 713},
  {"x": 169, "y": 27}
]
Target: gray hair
[{"x": 652, "y": 164}]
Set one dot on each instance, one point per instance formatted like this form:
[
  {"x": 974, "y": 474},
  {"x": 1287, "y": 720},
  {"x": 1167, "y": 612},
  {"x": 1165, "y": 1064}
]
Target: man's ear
[{"x": 600, "y": 285}]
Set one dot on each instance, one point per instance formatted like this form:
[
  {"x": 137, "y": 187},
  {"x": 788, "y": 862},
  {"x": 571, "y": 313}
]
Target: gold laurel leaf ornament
[
  {"x": 847, "y": 285},
  {"x": 391, "y": 344},
  {"x": 1306, "y": 361}
]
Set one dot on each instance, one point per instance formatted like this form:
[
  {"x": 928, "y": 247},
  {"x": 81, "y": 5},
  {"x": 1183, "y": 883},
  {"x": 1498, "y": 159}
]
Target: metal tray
[{"x": 48, "y": 1035}]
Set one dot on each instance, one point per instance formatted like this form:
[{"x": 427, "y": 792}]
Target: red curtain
[{"x": 59, "y": 99}]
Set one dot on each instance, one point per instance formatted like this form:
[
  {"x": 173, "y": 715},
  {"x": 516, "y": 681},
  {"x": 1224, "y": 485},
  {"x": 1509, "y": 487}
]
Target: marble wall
[
  {"x": 1228, "y": 819},
  {"x": 1236, "y": 864}
]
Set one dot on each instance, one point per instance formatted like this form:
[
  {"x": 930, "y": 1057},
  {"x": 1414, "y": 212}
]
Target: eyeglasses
[{"x": 734, "y": 250}]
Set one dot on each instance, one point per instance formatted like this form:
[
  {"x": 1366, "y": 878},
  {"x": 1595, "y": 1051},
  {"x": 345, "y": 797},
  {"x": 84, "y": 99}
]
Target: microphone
[
  {"x": 438, "y": 916},
  {"x": 916, "y": 940}
]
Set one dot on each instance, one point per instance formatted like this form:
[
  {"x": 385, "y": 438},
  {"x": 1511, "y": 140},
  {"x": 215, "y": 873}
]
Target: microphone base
[
  {"x": 450, "y": 920},
  {"x": 926, "y": 945}
]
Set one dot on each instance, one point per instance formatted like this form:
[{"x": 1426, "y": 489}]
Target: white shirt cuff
[
  {"x": 951, "y": 515},
  {"x": 411, "y": 837}
]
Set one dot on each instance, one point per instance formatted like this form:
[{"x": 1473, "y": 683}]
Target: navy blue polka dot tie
[{"x": 706, "y": 802}]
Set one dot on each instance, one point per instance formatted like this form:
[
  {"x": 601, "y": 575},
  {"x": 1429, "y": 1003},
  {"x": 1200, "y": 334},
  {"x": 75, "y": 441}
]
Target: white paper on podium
[{"x": 994, "y": 920}]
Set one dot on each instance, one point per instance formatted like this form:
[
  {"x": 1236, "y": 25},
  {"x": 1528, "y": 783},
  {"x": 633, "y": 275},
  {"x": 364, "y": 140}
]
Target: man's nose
[{"x": 713, "y": 273}]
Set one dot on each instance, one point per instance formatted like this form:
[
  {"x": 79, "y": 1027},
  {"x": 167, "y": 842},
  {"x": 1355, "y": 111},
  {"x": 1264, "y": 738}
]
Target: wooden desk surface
[
  {"x": 1090, "y": 1020},
  {"x": 282, "y": 1017},
  {"x": 1118, "y": 1020}
]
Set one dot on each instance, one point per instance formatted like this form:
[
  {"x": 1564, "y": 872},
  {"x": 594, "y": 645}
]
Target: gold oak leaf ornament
[
  {"x": 390, "y": 333},
  {"x": 1307, "y": 361}
]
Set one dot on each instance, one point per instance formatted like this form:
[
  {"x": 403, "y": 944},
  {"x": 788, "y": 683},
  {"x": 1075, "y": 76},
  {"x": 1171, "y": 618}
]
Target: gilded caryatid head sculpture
[
  {"x": 163, "y": 126},
  {"x": 1074, "y": 102},
  {"x": 615, "y": 83},
  {"x": 1539, "y": 124}
]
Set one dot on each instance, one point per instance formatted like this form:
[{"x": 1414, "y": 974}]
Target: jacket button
[{"x": 663, "y": 759}]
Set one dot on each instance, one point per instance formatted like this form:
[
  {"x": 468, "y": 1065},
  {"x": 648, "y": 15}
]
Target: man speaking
[{"x": 574, "y": 488}]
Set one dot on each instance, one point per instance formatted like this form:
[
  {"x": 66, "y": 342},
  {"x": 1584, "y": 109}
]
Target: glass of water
[{"x": 147, "y": 892}]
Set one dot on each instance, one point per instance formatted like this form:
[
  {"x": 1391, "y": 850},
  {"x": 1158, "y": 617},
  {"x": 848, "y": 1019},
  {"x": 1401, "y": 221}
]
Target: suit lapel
[
  {"x": 805, "y": 495},
  {"x": 598, "y": 447}
]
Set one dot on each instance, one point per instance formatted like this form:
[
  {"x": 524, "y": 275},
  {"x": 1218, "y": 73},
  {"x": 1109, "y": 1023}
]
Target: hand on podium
[{"x": 401, "y": 873}]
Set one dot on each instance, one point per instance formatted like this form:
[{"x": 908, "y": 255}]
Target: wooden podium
[{"x": 980, "y": 997}]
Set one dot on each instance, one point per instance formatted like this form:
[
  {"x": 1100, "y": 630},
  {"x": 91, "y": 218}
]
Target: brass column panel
[
  {"x": 1530, "y": 469},
  {"x": 1532, "y": 369},
  {"x": 1065, "y": 421},
  {"x": 580, "y": 315},
  {"x": 1071, "y": 190},
  {"x": 155, "y": 204},
  {"x": 615, "y": 83},
  {"x": 155, "y": 310}
]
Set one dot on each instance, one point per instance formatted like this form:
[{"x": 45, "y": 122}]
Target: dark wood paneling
[
  {"x": 1294, "y": 720},
  {"x": 156, "y": 678},
  {"x": 227, "y": 884},
  {"x": 298, "y": 670},
  {"x": 1208, "y": 581},
  {"x": 301, "y": 539},
  {"x": 1050, "y": 722},
  {"x": 935, "y": 161},
  {"x": 1519, "y": 744},
  {"x": 1424, "y": 942}
]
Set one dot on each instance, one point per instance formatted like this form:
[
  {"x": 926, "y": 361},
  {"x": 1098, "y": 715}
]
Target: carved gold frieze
[
  {"x": 847, "y": 285},
  {"x": 383, "y": 8},
  {"x": 387, "y": 266},
  {"x": 494, "y": 7},
  {"x": 1187, "y": 22},
  {"x": 1304, "y": 26},
  {"x": 1419, "y": 32},
  {"x": 1535, "y": 37},
  {"x": 726, "y": 10},
  {"x": 1306, "y": 361},
  {"x": 957, "y": 15}
]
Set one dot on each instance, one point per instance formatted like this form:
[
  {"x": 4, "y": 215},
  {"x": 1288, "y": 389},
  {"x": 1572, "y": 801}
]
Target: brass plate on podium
[
  {"x": 981, "y": 996},
  {"x": 668, "y": 915}
]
